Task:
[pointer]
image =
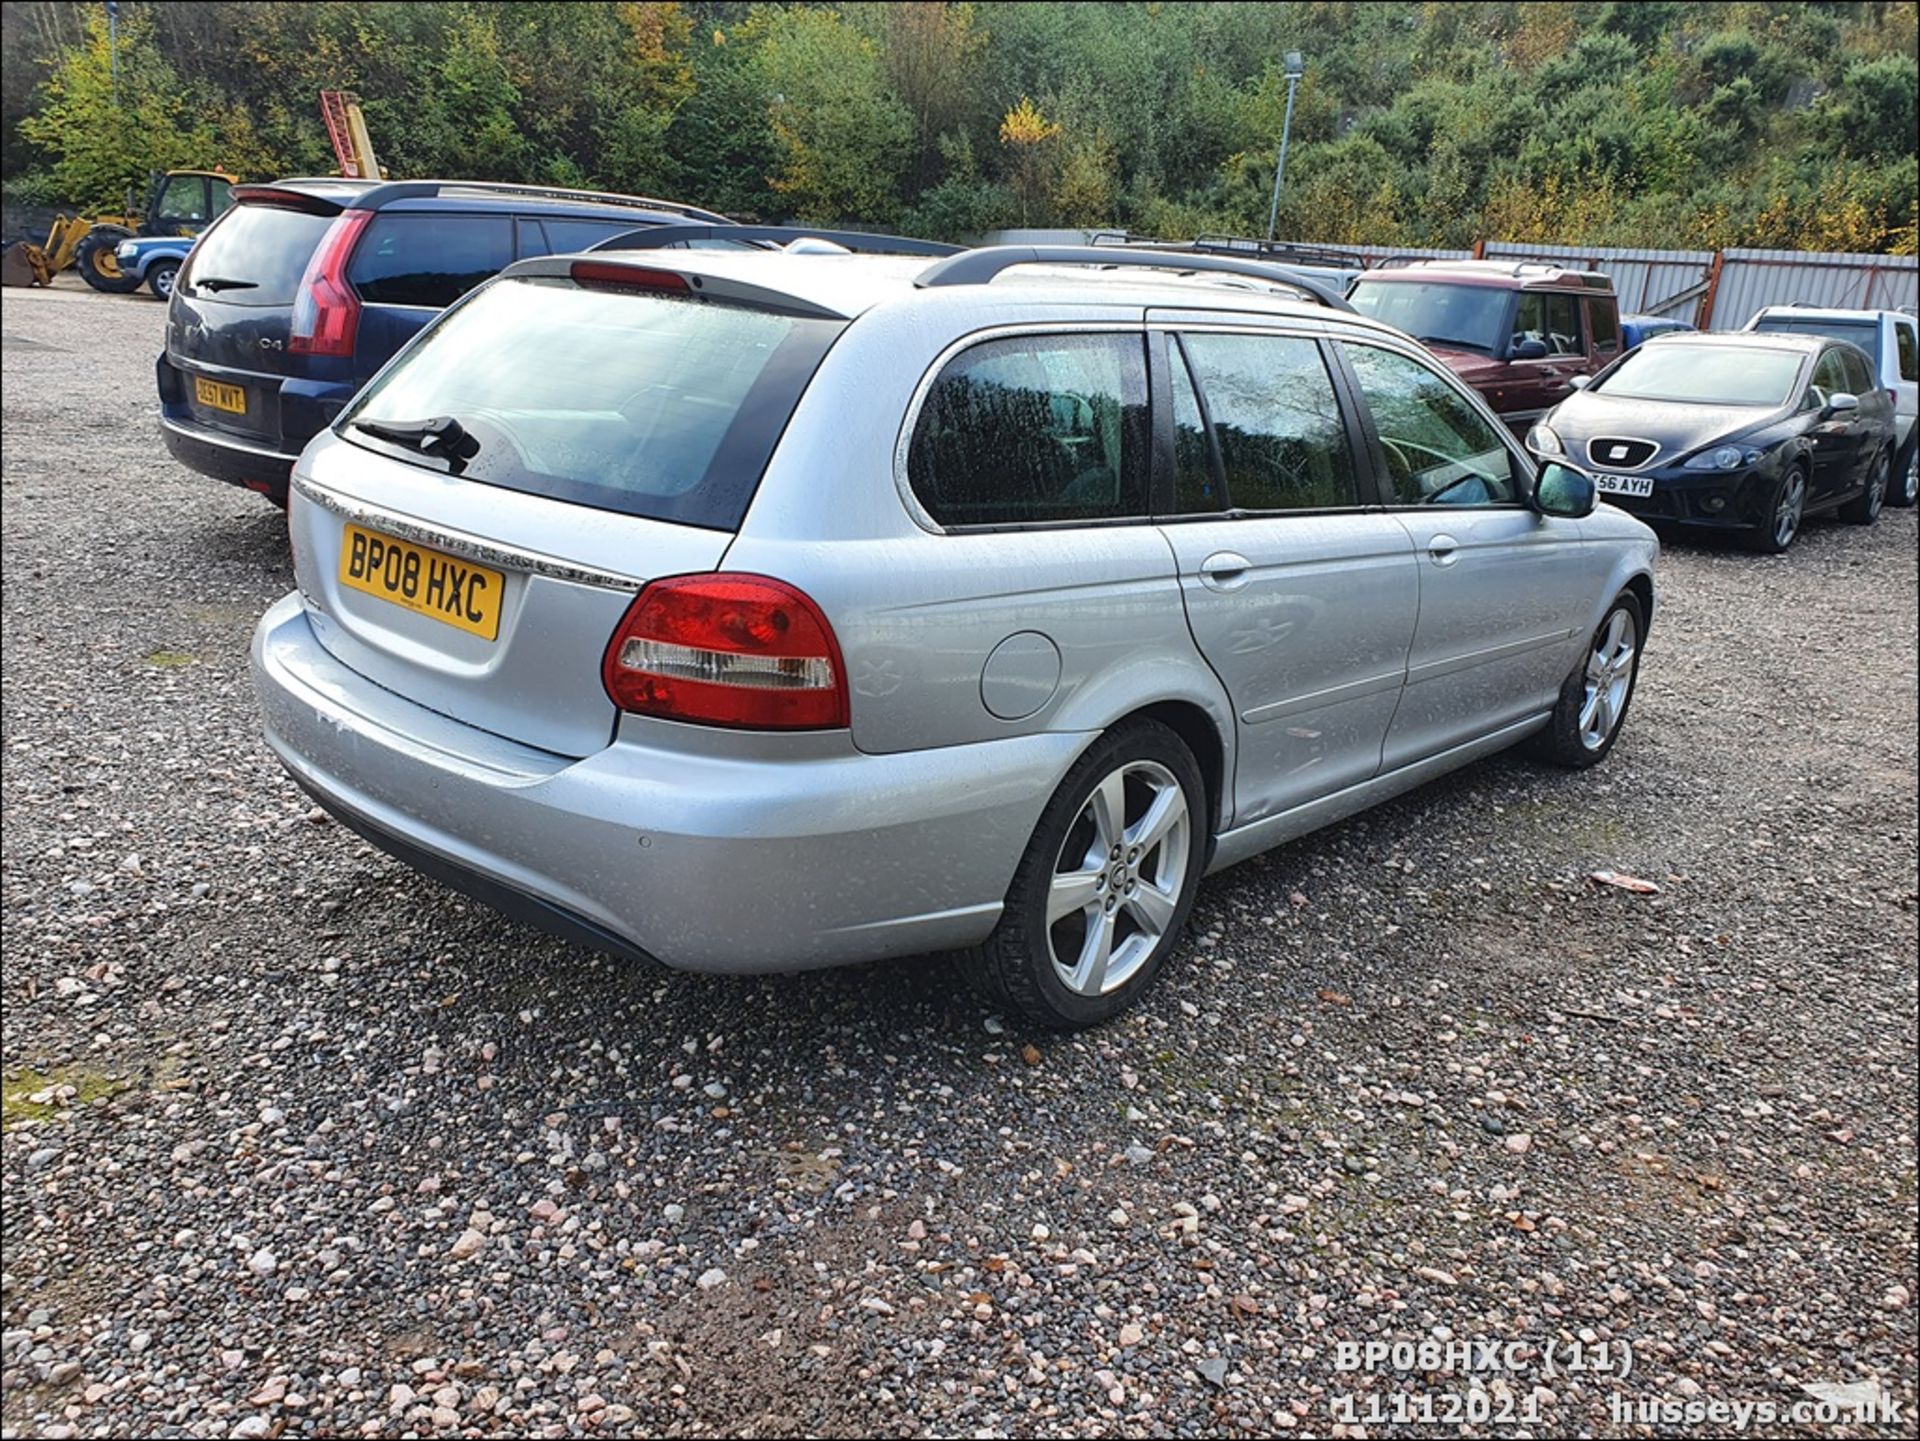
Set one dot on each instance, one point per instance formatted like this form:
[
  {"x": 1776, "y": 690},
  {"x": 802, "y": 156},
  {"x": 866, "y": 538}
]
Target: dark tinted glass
[
  {"x": 1606, "y": 325},
  {"x": 1439, "y": 449},
  {"x": 1829, "y": 376},
  {"x": 1905, "y": 342},
  {"x": 265, "y": 247},
  {"x": 1283, "y": 445},
  {"x": 566, "y": 236},
  {"x": 1862, "y": 333},
  {"x": 1551, "y": 317},
  {"x": 1196, "y": 486},
  {"x": 644, "y": 404},
  {"x": 1035, "y": 428},
  {"x": 429, "y": 260},
  {"x": 1859, "y": 373}
]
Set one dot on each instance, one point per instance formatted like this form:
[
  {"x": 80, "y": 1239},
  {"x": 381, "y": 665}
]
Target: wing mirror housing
[
  {"x": 1581, "y": 382},
  {"x": 1841, "y": 404},
  {"x": 1530, "y": 350},
  {"x": 1563, "y": 491}
]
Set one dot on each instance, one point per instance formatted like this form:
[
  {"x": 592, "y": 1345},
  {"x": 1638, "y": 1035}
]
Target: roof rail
[
  {"x": 977, "y": 267},
  {"x": 1285, "y": 251},
  {"x": 660, "y": 237},
  {"x": 391, "y": 190}
]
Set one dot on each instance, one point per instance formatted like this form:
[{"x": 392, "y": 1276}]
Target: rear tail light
[
  {"x": 326, "y": 312},
  {"x": 728, "y": 650}
]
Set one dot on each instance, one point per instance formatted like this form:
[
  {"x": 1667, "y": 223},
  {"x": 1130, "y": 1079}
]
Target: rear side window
[
  {"x": 1035, "y": 428},
  {"x": 428, "y": 260},
  {"x": 262, "y": 247},
  {"x": 1606, "y": 326},
  {"x": 566, "y": 236},
  {"x": 1439, "y": 450},
  {"x": 649, "y": 405},
  {"x": 1905, "y": 342},
  {"x": 1277, "y": 428}
]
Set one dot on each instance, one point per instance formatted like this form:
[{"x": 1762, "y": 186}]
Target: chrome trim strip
[
  {"x": 223, "y": 440},
  {"x": 454, "y": 542},
  {"x": 1434, "y": 669},
  {"x": 1333, "y": 695},
  {"x": 1617, "y": 466}
]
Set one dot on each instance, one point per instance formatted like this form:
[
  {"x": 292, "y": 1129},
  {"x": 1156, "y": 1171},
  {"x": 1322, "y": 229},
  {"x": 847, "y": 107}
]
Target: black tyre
[
  {"x": 97, "y": 263},
  {"x": 160, "y": 277},
  {"x": 1905, "y": 487},
  {"x": 1865, "y": 508},
  {"x": 1105, "y": 886},
  {"x": 1596, "y": 695},
  {"x": 1786, "y": 512}
]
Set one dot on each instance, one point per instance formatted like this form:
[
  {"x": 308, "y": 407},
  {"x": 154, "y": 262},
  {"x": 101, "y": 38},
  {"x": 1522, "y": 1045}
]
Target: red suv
[{"x": 1516, "y": 331}]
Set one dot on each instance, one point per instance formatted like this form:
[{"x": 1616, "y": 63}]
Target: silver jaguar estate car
[{"x": 756, "y": 612}]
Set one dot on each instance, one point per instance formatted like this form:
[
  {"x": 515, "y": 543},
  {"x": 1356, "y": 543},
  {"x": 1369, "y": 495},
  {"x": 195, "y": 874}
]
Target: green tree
[{"x": 843, "y": 136}]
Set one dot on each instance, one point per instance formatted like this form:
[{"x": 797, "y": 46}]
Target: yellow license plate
[
  {"x": 230, "y": 398},
  {"x": 426, "y": 582}
]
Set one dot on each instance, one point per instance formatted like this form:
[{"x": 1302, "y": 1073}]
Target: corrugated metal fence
[{"x": 1712, "y": 289}]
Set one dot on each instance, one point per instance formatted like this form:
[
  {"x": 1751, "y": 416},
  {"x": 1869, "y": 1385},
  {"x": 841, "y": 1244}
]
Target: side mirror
[
  {"x": 1530, "y": 350},
  {"x": 1563, "y": 491},
  {"x": 1581, "y": 382},
  {"x": 1842, "y": 404}
]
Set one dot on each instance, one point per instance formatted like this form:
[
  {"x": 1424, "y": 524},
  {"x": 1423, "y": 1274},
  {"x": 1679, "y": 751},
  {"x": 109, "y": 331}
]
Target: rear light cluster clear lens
[
  {"x": 728, "y": 650},
  {"x": 326, "y": 312}
]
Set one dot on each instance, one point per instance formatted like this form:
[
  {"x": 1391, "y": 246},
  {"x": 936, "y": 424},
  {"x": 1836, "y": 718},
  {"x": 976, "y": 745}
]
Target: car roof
[
  {"x": 1742, "y": 340},
  {"x": 1497, "y": 274},
  {"x": 481, "y": 197},
  {"x": 848, "y": 286},
  {"x": 1814, "y": 312}
]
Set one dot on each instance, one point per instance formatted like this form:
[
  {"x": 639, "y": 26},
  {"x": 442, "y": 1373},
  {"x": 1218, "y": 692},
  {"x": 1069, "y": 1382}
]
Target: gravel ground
[{"x": 299, "y": 1144}]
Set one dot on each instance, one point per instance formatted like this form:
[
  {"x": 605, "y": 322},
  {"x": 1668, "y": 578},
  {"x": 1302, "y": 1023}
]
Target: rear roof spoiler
[
  {"x": 285, "y": 197},
  {"x": 388, "y": 191},
  {"x": 978, "y": 267},
  {"x": 692, "y": 283},
  {"x": 660, "y": 237}
]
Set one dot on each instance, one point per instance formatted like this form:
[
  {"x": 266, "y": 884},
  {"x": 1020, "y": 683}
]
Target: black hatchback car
[
  {"x": 306, "y": 287},
  {"x": 1734, "y": 431}
]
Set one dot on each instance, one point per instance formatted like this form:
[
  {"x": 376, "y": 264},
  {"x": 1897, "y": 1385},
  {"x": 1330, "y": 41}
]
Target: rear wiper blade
[
  {"x": 216, "y": 283},
  {"x": 442, "y": 436}
]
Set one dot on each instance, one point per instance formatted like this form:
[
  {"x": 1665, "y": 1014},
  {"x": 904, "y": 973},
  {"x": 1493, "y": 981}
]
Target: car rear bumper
[
  {"x": 298, "y": 409},
  {"x": 227, "y": 457},
  {"x": 701, "y": 859}
]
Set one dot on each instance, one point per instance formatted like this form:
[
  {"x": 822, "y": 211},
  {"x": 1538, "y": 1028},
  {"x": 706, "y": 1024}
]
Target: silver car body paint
[{"x": 1360, "y": 653}]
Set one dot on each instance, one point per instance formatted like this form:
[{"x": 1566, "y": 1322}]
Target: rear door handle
[{"x": 1225, "y": 570}]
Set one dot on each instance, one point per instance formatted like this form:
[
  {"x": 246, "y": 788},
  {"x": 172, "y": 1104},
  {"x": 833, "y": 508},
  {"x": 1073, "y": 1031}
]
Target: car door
[
  {"x": 1300, "y": 591},
  {"x": 1835, "y": 437},
  {"x": 1504, "y": 592},
  {"x": 1549, "y": 318}
]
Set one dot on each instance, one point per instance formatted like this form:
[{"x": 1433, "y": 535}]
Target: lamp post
[
  {"x": 113, "y": 48},
  {"x": 1296, "y": 64}
]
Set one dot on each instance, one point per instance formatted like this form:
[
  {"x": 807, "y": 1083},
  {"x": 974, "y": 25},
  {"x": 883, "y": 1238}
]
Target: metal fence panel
[
  {"x": 1750, "y": 279},
  {"x": 1646, "y": 280}
]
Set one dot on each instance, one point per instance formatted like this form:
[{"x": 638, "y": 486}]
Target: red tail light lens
[
  {"x": 728, "y": 650},
  {"x": 326, "y": 312},
  {"x": 600, "y": 275}
]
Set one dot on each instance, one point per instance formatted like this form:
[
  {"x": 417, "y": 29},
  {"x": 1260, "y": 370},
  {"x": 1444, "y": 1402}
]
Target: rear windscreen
[
  {"x": 1854, "y": 332},
  {"x": 650, "y": 405},
  {"x": 262, "y": 247}
]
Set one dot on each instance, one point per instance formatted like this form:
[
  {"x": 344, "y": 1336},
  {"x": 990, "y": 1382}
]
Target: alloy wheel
[
  {"x": 1911, "y": 484},
  {"x": 1786, "y": 515},
  {"x": 1877, "y": 487},
  {"x": 1117, "y": 881},
  {"x": 1609, "y": 679}
]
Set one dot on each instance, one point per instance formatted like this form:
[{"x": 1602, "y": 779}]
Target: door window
[
  {"x": 1905, "y": 342},
  {"x": 1829, "y": 378},
  {"x": 183, "y": 201},
  {"x": 1277, "y": 427},
  {"x": 1035, "y": 428},
  {"x": 1439, "y": 450},
  {"x": 428, "y": 260},
  {"x": 1551, "y": 317},
  {"x": 1859, "y": 375},
  {"x": 567, "y": 236},
  {"x": 1196, "y": 477}
]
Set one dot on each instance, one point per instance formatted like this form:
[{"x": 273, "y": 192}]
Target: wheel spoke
[
  {"x": 1607, "y": 713},
  {"x": 1168, "y": 809},
  {"x": 1591, "y": 708},
  {"x": 1090, "y": 975},
  {"x": 1072, "y": 891},
  {"x": 1597, "y": 663},
  {"x": 1152, "y": 908},
  {"x": 1109, "y": 806}
]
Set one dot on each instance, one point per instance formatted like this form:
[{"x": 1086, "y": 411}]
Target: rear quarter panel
[{"x": 917, "y": 614}]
